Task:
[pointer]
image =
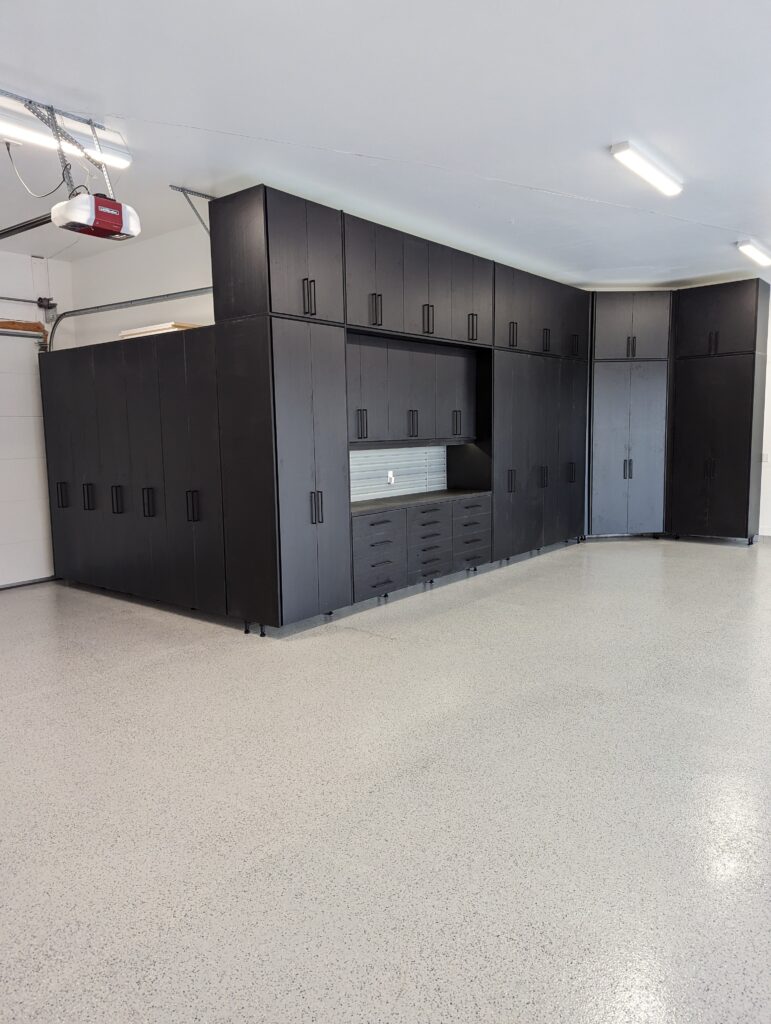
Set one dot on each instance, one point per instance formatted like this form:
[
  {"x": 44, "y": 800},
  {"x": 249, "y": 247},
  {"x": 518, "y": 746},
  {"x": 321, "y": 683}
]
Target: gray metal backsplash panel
[{"x": 414, "y": 470}]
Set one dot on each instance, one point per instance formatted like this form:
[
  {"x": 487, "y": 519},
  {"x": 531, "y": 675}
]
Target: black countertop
[{"x": 405, "y": 500}]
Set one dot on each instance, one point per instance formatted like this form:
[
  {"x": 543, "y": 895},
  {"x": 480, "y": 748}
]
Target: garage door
[{"x": 25, "y": 534}]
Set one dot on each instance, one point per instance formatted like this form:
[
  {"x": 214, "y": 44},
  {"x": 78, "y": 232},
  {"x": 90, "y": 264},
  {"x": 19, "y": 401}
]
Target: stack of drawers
[
  {"x": 379, "y": 553},
  {"x": 410, "y": 545},
  {"x": 471, "y": 532}
]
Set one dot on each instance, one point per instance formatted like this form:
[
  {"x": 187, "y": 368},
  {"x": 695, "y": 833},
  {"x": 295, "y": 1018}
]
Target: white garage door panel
[
  {"x": 25, "y": 533},
  {"x": 20, "y": 395}
]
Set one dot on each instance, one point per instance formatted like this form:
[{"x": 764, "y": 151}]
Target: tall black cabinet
[{"x": 719, "y": 393}]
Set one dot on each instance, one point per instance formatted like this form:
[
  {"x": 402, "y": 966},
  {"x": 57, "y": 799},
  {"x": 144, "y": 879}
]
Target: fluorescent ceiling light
[
  {"x": 17, "y": 131},
  {"x": 755, "y": 252},
  {"x": 631, "y": 157}
]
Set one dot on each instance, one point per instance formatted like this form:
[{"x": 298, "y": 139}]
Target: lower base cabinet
[{"x": 400, "y": 547}]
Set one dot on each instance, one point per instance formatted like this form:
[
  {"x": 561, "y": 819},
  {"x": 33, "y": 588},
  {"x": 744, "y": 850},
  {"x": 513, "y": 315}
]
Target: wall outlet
[{"x": 391, "y": 477}]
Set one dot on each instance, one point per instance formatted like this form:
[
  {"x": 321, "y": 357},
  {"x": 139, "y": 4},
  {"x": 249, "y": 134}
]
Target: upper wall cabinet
[
  {"x": 719, "y": 319},
  {"x": 374, "y": 275},
  {"x": 427, "y": 287},
  {"x": 538, "y": 315},
  {"x": 273, "y": 252},
  {"x": 472, "y": 298},
  {"x": 632, "y": 325}
]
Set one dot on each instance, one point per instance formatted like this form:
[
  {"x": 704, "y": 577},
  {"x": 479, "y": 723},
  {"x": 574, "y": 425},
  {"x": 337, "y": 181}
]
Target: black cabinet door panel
[
  {"x": 325, "y": 262},
  {"x": 440, "y": 289},
  {"x": 455, "y": 393},
  {"x": 90, "y": 498},
  {"x": 735, "y": 322},
  {"x": 55, "y": 374},
  {"x": 360, "y": 275},
  {"x": 462, "y": 295},
  {"x": 695, "y": 322},
  {"x": 389, "y": 272},
  {"x": 417, "y": 318},
  {"x": 731, "y": 388},
  {"x": 507, "y": 307},
  {"x": 692, "y": 447},
  {"x": 610, "y": 448},
  {"x": 554, "y": 506},
  {"x": 529, "y": 387},
  {"x": 293, "y": 382},
  {"x": 483, "y": 300},
  {"x": 613, "y": 325},
  {"x": 333, "y": 503},
  {"x": 288, "y": 252},
  {"x": 650, "y": 325}
]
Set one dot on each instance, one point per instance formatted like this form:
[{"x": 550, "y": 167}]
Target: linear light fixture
[
  {"x": 633, "y": 158},
  {"x": 17, "y": 131},
  {"x": 755, "y": 252}
]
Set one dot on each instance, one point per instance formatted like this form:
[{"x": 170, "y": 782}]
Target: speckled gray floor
[{"x": 538, "y": 796}]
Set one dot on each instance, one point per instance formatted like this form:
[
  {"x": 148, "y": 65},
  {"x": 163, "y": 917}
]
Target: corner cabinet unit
[
  {"x": 719, "y": 394},
  {"x": 630, "y": 386},
  {"x": 533, "y": 314},
  {"x": 276, "y": 253}
]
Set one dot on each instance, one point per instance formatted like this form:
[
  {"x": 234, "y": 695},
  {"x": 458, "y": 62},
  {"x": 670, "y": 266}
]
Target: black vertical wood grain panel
[
  {"x": 248, "y": 451},
  {"x": 239, "y": 255},
  {"x": 55, "y": 371}
]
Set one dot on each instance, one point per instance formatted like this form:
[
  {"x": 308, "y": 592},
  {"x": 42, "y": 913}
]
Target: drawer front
[
  {"x": 375, "y": 584},
  {"x": 436, "y": 515},
  {"x": 429, "y": 533},
  {"x": 472, "y": 524},
  {"x": 479, "y": 504},
  {"x": 431, "y": 572},
  {"x": 391, "y": 525},
  {"x": 428, "y": 555},
  {"x": 379, "y": 546},
  {"x": 472, "y": 549},
  {"x": 378, "y": 560},
  {"x": 471, "y": 561}
]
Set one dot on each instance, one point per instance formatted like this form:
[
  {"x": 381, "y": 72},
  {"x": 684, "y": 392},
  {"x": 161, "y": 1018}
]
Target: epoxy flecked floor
[{"x": 542, "y": 795}]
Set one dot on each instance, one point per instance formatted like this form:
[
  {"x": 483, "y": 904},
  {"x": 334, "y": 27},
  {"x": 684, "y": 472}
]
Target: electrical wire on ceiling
[{"x": 36, "y": 195}]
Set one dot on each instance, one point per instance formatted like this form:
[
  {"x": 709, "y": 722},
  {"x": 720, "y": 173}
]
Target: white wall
[
  {"x": 166, "y": 263},
  {"x": 25, "y": 536}
]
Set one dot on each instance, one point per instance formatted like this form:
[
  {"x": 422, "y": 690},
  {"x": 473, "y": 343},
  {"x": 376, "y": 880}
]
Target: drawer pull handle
[
  {"x": 471, "y": 522},
  {"x": 376, "y": 565},
  {"x": 429, "y": 536},
  {"x": 432, "y": 522},
  {"x": 474, "y": 540},
  {"x": 379, "y": 543},
  {"x": 380, "y": 522},
  {"x": 429, "y": 561},
  {"x": 428, "y": 511},
  {"x": 382, "y": 583},
  {"x": 431, "y": 547}
]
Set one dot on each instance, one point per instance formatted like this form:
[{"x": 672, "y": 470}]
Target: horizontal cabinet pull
[
  {"x": 380, "y": 543},
  {"x": 376, "y": 565},
  {"x": 430, "y": 561},
  {"x": 471, "y": 522},
  {"x": 382, "y": 583},
  {"x": 430, "y": 536},
  {"x": 380, "y": 522}
]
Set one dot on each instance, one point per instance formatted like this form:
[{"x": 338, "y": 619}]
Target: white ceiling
[{"x": 484, "y": 125}]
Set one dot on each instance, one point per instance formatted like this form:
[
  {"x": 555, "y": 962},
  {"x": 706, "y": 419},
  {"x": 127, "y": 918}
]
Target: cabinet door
[
  {"x": 89, "y": 499},
  {"x": 389, "y": 269},
  {"x": 731, "y": 391},
  {"x": 507, "y": 306},
  {"x": 325, "y": 262},
  {"x": 287, "y": 253},
  {"x": 572, "y": 446},
  {"x": 554, "y": 502},
  {"x": 55, "y": 374},
  {"x": 440, "y": 289},
  {"x": 613, "y": 313},
  {"x": 293, "y": 384},
  {"x": 692, "y": 446},
  {"x": 333, "y": 505},
  {"x": 695, "y": 321},
  {"x": 417, "y": 318},
  {"x": 147, "y": 484},
  {"x": 360, "y": 277},
  {"x": 462, "y": 295},
  {"x": 578, "y": 326},
  {"x": 529, "y": 390},
  {"x": 735, "y": 323},
  {"x": 400, "y": 417},
  {"x": 647, "y": 446},
  {"x": 353, "y": 389},
  {"x": 610, "y": 448},
  {"x": 455, "y": 393},
  {"x": 650, "y": 325},
  {"x": 503, "y": 455},
  {"x": 203, "y": 418},
  {"x": 374, "y": 388},
  {"x": 482, "y": 271},
  {"x": 423, "y": 390},
  {"x": 118, "y": 566}
]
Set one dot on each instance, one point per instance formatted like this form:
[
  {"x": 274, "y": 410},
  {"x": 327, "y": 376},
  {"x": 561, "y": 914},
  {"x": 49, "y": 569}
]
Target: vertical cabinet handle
[
  {"x": 193, "y": 509},
  {"x": 62, "y": 495},
  {"x": 148, "y": 502},
  {"x": 426, "y": 325},
  {"x": 571, "y": 472},
  {"x": 629, "y": 346},
  {"x": 88, "y": 498},
  {"x": 510, "y": 481},
  {"x": 116, "y": 499},
  {"x": 379, "y": 305},
  {"x": 626, "y": 468},
  {"x": 709, "y": 344},
  {"x": 717, "y": 342},
  {"x": 470, "y": 327},
  {"x": 631, "y": 469},
  {"x": 415, "y": 421},
  {"x": 312, "y": 297},
  {"x": 306, "y": 296},
  {"x": 358, "y": 424},
  {"x": 634, "y": 346},
  {"x": 546, "y": 339},
  {"x": 460, "y": 422},
  {"x": 513, "y": 333},
  {"x": 431, "y": 313},
  {"x": 574, "y": 344},
  {"x": 373, "y": 308},
  {"x": 366, "y": 423},
  {"x": 313, "y": 507},
  {"x": 320, "y": 506}
]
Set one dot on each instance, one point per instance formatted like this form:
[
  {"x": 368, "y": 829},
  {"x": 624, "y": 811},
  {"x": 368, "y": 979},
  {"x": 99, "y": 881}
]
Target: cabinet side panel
[
  {"x": 756, "y": 453},
  {"x": 244, "y": 378},
  {"x": 239, "y": 258}
]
